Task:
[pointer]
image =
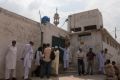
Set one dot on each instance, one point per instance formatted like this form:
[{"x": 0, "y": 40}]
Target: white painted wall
[
  {"x": 113, "y": 51},
  {"x": 82, "y": 19},
  {"x": 19, "y": 30},
  {"x": 13, "y": 26},
  {"x": 51, "y": 30},
  {"x": 94, "y": 41}
]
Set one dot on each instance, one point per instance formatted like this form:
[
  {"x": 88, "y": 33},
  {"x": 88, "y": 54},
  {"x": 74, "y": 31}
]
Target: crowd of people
[
  {"x": 111, "y": 70},
  {"x": 47, "y": 58}
]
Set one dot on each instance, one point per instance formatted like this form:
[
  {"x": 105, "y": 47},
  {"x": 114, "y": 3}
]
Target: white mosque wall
[{"x": 23, "y": 30}]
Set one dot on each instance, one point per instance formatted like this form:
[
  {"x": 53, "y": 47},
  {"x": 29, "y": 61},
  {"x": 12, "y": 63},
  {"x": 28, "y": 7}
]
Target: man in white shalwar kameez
[
  {"x": 107, "y": 54},
  {"x": 38, "y": 58},
  {"x": 55, "y": 62},
  {"x": 27, "y": 57},
  {"x": 11, "y": 58},
  {"x": 101, "y": 60}
]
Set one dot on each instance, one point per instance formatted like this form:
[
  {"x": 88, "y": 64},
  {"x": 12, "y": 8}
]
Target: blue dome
[{"x": 45, "y": 19}]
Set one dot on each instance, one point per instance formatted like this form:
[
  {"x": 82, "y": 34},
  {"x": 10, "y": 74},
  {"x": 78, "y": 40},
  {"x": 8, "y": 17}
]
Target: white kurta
[
  {"x": 38, "y": 57},
  {"x": 66, "y": 54},
  {"x": 70, "y": 54},
  {"x": 101, "y": 60},
  {"x": 108, "y": 56},
  {"x": 11, "y": 57},
  {"x": 28, "y": 55},
  {"x": 66, "y": 57},
  {"x": 55, "y": 63}
]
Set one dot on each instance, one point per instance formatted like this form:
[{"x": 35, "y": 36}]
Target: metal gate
[{"x": 57, "y": 41}]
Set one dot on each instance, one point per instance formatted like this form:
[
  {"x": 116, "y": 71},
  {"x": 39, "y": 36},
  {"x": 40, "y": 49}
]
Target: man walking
[
  {"x": 11, "y": 58},
  {"x": 27, "y": 58},
  {"x": 90, "y": 59}
]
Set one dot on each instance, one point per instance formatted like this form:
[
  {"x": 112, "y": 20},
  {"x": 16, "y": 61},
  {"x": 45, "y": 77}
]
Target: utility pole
[
  {"x": 41, "y": 30},
  {"x": 115, "y": 33}
]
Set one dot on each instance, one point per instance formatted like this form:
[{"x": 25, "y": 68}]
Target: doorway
[{"x": 57, "y": 41}]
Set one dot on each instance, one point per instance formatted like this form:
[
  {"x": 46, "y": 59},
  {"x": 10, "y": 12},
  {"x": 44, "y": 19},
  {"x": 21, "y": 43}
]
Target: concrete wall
[
  {"x": 21, "y": 29},
  {"x": 15, "y": 27},
  {"x": 87, "y": 18},
  {"x": 93, "y": 41},
  {"x": 51, "y": 30},
  {"x": 113, "y": 51}
]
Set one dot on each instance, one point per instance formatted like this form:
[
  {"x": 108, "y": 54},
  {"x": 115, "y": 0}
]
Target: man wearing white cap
[
  {"x": 55, "y": 62},
  {"x": 27, "y": 59}
]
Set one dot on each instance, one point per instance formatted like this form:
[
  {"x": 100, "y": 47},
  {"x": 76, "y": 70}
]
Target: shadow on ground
[{"x": 73, "y": 77}]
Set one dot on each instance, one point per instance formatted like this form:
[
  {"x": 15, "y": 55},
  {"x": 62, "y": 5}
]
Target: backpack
[{"x": 52, "y": 55}]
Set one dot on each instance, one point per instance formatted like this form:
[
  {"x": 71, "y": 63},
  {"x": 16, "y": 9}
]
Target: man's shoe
[
  {"x": 91, "y": 74},
  {"x": 41, "y": 77},
  {"x": 26, "y": 79},
  {"x": 14, "y": 79},
  {"x": 48, "y": 77},
  {"x": 7, "y": 79}
]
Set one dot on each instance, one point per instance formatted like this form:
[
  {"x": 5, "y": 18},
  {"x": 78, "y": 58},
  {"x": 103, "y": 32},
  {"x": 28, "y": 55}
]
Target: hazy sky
[{"x": 110, "y": 10}]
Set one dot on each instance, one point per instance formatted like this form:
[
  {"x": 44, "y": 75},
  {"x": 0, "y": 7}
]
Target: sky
[{"x": 30, "y": 9}]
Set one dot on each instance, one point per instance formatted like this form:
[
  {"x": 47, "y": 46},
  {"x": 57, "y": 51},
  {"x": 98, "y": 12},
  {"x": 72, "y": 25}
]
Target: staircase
[{"x": 71, "y": 70}]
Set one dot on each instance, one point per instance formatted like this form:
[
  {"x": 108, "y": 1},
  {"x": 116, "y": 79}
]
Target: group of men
[
  {"x": 103, "y": 59},
  {"x": 81, "y": 61},
  {"x": 11, "y": 59},
  {"x": 45, "y": 57},
  {"x": 52, "y": 60},
  {"x": 112, "y": 70}
]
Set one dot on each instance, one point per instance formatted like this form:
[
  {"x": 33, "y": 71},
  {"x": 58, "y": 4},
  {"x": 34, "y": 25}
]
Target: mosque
[{"x": 85, "y": 30}]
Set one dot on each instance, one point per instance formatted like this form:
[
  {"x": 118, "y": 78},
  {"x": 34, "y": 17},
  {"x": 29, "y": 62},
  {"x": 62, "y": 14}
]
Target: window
[
  {"x": 76, "y": 29},
  {"x": 85, "y": 34},
  {"x": 91, "y": 27}
]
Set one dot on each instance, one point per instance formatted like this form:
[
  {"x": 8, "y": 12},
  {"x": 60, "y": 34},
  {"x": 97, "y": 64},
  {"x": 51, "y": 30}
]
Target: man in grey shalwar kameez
[{"x": 101, "y": 61}]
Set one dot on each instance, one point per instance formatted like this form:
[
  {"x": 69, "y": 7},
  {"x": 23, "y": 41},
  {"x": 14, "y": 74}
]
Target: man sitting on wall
[
  {"x": 109, "y": 71},
  {"x": 117, "y": 72}
]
